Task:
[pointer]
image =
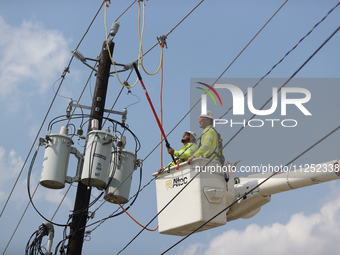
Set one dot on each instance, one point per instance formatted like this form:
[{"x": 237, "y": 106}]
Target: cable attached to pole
[{"x": 153, "y": 109}]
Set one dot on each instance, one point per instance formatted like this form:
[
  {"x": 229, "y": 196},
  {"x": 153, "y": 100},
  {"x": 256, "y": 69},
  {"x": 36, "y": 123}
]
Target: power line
[
  {"x": 82, "y": 93},
  {"x": 102, "y": 220},
  {"x": 250, "y": 41},
  {"x": 20, "y": 221},
  {"x": 242, "y": 52},
  {"x": 222, "y": 72},
  {"x": 175, "y": 26},
  {"x": 295, "y": 46},
  {"x": 125, "y": 11},
  {"x": 310, "y": 57},
  {"x": 29, "y": 192},
  {"x": 113, "y": 105}
]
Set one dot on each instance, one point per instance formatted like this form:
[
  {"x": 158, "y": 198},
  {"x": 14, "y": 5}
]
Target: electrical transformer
[
  {"x": 97, "y": 158},
  {"x": 122, "y": 166},
  {"x": 56, "y": 158}
]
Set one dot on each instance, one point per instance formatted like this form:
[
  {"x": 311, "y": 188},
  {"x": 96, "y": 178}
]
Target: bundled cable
[{"x": 34, "y": 247}]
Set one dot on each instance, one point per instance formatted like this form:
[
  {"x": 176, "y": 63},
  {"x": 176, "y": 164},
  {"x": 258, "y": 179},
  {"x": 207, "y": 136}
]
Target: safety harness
[{"x": 219, "y": 146}]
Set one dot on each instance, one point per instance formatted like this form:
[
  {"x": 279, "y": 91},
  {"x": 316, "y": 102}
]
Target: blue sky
[{"x": 36, "y": 40}]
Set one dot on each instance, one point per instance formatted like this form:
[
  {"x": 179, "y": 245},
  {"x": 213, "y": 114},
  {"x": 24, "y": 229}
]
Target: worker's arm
[
  {"x": 206, "y": 143},
  {"x": 186, "y": 152}
]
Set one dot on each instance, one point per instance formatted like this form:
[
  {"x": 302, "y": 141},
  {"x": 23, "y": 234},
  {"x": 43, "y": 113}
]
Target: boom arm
[{"x": 251, "y": 204}]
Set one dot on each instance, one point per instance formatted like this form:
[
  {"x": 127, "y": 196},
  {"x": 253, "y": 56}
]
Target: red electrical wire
[{"x": 134, "y": 219}]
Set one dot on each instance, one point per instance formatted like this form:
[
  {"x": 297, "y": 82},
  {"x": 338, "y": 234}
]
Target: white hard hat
[
  {"x": 208, "y": 115},
  {"x": 191, "y": 133}
]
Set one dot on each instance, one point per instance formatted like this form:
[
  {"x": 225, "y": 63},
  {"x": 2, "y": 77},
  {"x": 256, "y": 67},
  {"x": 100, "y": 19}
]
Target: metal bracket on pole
[
  {"x": 123, "y": 113},
  {"x": 81, "y": 57},
  {"x": 80, "y": 158},
  {"x": 89, "y": 108}
]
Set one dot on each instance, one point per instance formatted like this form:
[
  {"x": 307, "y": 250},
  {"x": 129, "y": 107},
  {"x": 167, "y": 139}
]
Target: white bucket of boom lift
[{"x": 200, "y": 199}]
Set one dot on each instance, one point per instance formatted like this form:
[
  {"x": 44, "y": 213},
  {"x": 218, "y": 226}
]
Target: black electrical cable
[
  {"x": 114, "y": 123},
  {"x": 85, "y": 209},
  {"x": 35, "y": 246},
  {"x": 76, "y": 116},
  {"x": 72, "y": 134},
  {"x": 62, "y": 242},
  {"x": 171, "y": 200},
  {"x": 117, "y": 214},
  {"x": 114, "y": 214},
  {"x": 114, "y": 168},
  {"x": 58, "y": 119}
]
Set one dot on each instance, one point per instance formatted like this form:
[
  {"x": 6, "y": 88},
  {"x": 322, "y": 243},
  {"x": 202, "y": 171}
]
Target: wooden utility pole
[{"x": 80, "y": 212}]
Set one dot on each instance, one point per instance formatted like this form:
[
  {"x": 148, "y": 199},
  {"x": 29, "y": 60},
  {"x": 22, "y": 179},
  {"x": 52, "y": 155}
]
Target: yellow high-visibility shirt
[
  {"x": 209, "y": 144},
  {"x": 184, "y": 153}
]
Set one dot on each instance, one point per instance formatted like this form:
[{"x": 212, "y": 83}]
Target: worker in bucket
[
  {"x": 211, "y": 143},
  {"x": 189, "y": 141}
]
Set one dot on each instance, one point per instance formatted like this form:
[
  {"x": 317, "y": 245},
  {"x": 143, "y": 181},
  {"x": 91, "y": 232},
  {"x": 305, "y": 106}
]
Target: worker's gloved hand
[
  {"x": 190, "y": 159},
  {"x": 171, "y": 151}
]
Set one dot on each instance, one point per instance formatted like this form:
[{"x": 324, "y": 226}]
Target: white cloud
[
  {"x": 303, "y": 234},
  {"x": 31, "y": 57},
  {"x": 10, "y": 165},
  {"x": 194, "y": 249},
  {"x": 56, "y": 196}
]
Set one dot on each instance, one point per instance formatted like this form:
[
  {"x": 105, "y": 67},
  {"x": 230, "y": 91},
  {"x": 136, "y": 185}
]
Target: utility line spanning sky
[{"x": 36, "y": 40}]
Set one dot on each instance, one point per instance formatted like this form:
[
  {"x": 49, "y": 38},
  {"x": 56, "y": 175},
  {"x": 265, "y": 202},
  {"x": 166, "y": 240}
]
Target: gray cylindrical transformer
[
  {"x": 56, "y": 158},
  {"x": 97, "y": 159},
  {"x": 122, "y": 165}
]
